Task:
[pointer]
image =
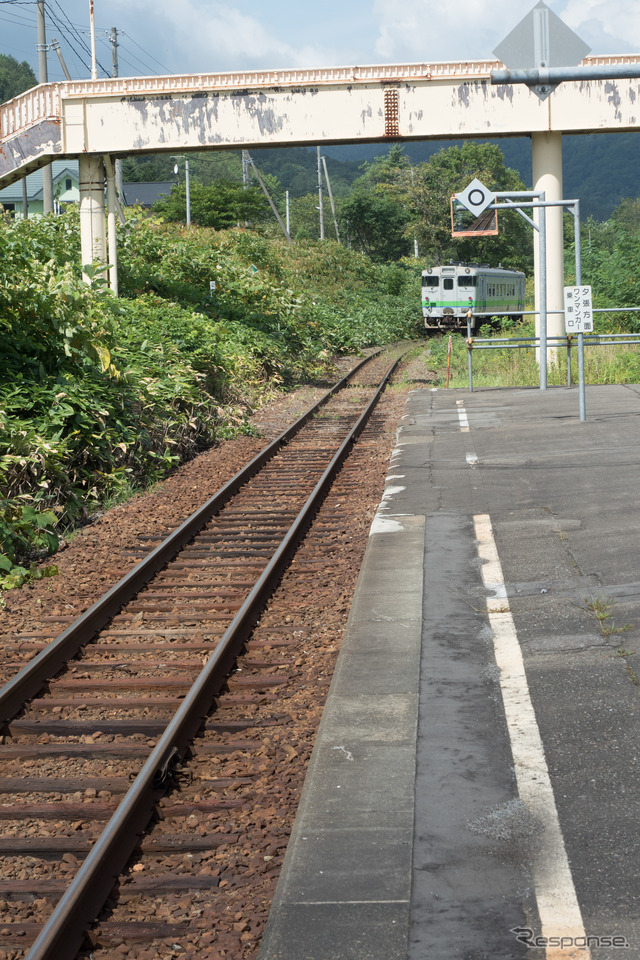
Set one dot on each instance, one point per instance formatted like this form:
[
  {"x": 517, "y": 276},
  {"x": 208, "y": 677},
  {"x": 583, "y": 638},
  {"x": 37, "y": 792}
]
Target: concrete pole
[
  {"x": 92, "y": 31},
  {"x": 93, "y": 241},
  {"x": 187, "y": 184},
  {"x": 320, "y": 200},
  {"x": 547, "y": 178},
  {"x": 111, "y": 224},
  {"x": 333, "y": 206},
  {"x": 115, "y": 72},
  {"x": 43, "y": 77}
]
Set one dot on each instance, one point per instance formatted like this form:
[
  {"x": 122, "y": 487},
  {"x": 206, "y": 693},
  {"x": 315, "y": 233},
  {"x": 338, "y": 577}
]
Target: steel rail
[
  {"x": 64, "y": 932},
  {"x": 29, "y": 681}
]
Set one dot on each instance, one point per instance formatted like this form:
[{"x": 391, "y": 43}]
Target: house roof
[
  {"x": 60, "y": 169},
  {"x": 145, "y": 193}
]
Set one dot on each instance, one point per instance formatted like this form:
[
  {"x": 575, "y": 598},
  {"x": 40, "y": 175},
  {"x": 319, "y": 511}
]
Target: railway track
[{"x": 127, "y": 786}]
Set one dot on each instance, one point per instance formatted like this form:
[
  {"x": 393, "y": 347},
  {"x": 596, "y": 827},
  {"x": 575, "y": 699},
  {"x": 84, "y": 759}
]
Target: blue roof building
[{"x": 65, "y": 189}]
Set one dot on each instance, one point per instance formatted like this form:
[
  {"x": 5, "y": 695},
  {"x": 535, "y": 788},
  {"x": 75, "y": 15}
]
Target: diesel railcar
[{"x": 450, "y": 291}]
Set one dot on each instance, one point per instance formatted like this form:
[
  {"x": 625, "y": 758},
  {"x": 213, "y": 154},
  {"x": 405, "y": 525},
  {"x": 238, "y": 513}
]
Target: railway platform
[{"x": 474, "y": 787}]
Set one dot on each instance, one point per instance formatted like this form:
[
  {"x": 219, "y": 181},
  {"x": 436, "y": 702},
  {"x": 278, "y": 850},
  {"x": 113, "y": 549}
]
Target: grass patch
[
  {"x": 509, "y": 367},
  {"x": 601, "y": 609}
]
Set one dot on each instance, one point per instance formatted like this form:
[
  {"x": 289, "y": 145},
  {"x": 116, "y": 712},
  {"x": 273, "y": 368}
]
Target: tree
[
  {"x": 15, "y": 77},
  {"x": 448, "y": 172},
  {"x": 151, "y": 169},
  {"x": 375, "y": 215},
  {"x": 375, "y": 222},
  {"x": 219, "y": 204}
]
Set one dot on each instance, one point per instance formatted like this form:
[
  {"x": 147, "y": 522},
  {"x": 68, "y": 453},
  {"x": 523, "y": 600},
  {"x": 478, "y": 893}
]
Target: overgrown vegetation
[{"x": 99, "y": 396}]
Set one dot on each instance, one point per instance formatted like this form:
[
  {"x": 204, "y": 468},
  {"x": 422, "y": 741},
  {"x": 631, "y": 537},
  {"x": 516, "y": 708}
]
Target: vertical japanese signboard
[{"x": 578, "y": 310}]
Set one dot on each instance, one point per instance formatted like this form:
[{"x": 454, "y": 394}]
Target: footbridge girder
[{"x": 121, "y": 116}]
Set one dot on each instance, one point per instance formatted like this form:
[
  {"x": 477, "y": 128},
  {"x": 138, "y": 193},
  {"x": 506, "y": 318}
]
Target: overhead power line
[
  {"x": 150, "y": 55},
  {"x": 69, "y": 28}
]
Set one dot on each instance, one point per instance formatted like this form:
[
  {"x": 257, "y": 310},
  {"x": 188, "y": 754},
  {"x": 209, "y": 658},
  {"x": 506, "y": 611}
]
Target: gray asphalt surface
[{"x": 411, "y": 840}]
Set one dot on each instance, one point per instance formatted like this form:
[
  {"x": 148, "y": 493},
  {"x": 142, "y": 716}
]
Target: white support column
[
  {"x": 547, "y": 176},
  {"x": 93, "y": 240},
  {"x": 111, "y": 223}
]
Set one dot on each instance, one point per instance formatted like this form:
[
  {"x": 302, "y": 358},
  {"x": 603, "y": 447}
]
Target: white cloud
[
  {"x": 204, "y": 37},
  {"x": 604, "y": 28},
  {"x": 457, "y": 30},
  {"x": 471, "y": 29}
]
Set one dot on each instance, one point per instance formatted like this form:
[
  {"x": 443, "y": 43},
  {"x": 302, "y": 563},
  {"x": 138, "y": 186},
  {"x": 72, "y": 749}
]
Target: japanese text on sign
[{"x": 578, "y": 311}]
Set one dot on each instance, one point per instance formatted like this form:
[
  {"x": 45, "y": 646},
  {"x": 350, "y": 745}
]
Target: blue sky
[{"x": 193, "y": 36}]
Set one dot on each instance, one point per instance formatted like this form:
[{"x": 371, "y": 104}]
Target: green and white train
[{"x": 449, "y": 292}]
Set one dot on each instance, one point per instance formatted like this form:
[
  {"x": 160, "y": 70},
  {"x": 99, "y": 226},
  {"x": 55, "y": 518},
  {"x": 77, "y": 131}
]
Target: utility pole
[
  {"x": 92, "y": 30},
  {"x": 187, "y": 185},
  {"x": 188, "y": 189},
  {"x": 246, "y": 178},
  {"x": 320, "y": 203},
  {"x": 333, "y": 206},
  {"x": 113, "y": 39},
  {"x": 56, "y": 46},
  {"x": 268, "y": 196},
  {"x": 43, "y": 77}
]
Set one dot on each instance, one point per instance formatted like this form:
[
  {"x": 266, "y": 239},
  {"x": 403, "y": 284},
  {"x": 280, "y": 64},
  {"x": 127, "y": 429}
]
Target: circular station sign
[{"x": 476, "y": 197}]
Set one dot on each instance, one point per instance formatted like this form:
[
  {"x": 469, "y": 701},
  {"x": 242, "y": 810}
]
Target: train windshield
[
  {"x": 466, "y": 281},
  {"x": 431, "y": 281}
]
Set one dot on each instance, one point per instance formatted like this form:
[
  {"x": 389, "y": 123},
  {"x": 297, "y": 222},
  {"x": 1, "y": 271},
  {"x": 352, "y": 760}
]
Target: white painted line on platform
[
  {"x": 463, "y": 418},
  {"x": 472, "y": 460},
  {"x": 558, "y": 907}
]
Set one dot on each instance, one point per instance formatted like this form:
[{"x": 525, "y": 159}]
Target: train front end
[{"x": 448, "y": 294}]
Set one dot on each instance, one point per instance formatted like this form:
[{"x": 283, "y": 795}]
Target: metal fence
[{"x": 568, "y": 342}]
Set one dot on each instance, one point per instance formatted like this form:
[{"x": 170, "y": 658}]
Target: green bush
[{"x": 100, "y": 396}]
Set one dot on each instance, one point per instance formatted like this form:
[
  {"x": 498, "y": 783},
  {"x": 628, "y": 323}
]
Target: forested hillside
[{"x": 599, "y": 169}]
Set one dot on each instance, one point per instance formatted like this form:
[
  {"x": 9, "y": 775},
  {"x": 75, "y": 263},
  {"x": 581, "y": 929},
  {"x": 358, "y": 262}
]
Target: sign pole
[
  {"x": 581, "y": 388},
  {"x": 578, "y": 318},
  {"x": 578, "y": 252}
]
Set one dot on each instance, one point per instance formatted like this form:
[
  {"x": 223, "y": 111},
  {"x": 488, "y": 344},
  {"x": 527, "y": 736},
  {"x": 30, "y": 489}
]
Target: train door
[
  {"x": 448, "y": 291},
  {"x": 481, "y": 298}
]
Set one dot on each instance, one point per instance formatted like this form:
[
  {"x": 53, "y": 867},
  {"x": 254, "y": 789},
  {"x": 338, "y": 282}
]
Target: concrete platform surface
[{"x": 473, "y": 792}]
